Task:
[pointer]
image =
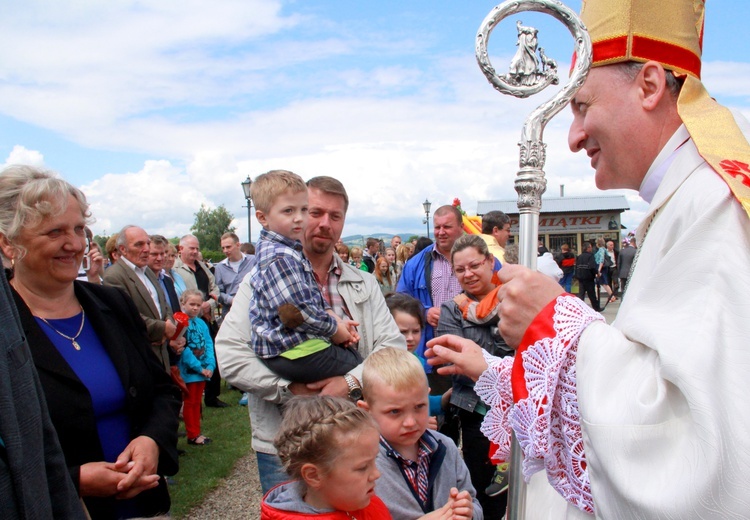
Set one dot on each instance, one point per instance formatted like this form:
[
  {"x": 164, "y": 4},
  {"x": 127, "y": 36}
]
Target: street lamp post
[
  {"x": 426, "y": 205},
  {"x": 249, "y": 198}
]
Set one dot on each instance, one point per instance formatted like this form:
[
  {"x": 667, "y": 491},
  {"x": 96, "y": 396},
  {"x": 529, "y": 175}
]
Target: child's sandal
[{"x": 200, "y": 440}]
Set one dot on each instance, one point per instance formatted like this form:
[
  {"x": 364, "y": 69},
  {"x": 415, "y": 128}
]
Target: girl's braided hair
[{"x": 311, "y": 431}]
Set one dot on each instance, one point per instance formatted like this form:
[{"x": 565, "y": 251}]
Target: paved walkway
[{"x": 611, "y": 310}]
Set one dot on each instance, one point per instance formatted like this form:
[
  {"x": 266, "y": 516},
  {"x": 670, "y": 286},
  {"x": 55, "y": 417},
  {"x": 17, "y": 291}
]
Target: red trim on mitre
[
  {"x": 643, "y": 48},
  {"x": 606, "y": 50},
  {"x": 611, "y": 49},
  {"x": 541, "y": 327},
  {"x": 668, "y": 54}
]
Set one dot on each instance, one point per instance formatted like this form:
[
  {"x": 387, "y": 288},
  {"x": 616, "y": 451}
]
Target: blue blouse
[{"x": 93, "y": 366}]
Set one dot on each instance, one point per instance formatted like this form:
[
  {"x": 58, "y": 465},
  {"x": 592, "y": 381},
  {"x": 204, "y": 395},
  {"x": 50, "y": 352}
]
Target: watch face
[{"x": 355, "y": 394}]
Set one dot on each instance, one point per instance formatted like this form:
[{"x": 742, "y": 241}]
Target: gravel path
[{"x": 237, "y": 497}]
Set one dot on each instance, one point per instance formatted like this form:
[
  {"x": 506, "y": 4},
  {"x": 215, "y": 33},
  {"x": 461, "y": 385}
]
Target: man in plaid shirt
[{"x": 293, "y": 327}]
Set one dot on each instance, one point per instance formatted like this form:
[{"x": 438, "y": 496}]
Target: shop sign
[{"x": 565, "y": 223}]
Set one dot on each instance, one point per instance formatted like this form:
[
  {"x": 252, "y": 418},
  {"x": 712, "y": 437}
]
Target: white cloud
[
  {"x": 21, "y": 155},
  {"x": 160, "y": 198},
  {"x": 216, "y": 91},
  {"x": 106, "y": 61},
  {"x": 727, "y": 79}
]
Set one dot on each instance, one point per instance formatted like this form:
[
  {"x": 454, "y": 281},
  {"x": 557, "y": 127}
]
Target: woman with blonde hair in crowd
[
  {"x": 603, "y": 260},
  {"x": 403, "y": 253},
  {"x": 390, "y": 255},
  {"x": 169, "y": 260}
]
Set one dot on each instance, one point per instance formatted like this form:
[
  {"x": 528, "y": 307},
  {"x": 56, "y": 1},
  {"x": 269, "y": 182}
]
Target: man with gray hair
[
  {"x": 496, "y": 232},
  {"x": 131, "y": 274}
]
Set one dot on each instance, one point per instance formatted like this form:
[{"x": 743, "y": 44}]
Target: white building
[{"x": 568, "y": 220}]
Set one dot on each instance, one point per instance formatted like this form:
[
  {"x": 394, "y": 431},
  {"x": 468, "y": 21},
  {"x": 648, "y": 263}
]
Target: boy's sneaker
[
  {"x": 500, "y": 481},
  {"x": 243, "y": 399}
]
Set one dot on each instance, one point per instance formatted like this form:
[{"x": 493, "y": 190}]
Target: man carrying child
[
  {"x": 295, "y": 332},
  {"x": 350, "y": 292}
]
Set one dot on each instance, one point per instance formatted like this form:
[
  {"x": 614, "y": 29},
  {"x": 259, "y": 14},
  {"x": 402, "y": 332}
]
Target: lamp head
[{"x": 246, "y": 187}]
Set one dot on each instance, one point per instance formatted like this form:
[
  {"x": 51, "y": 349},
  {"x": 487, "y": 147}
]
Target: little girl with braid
[{"x": 328, "y": 447}]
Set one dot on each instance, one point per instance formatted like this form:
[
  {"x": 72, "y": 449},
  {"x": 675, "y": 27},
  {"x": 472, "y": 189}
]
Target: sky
[{"x": 154, "y": 107}]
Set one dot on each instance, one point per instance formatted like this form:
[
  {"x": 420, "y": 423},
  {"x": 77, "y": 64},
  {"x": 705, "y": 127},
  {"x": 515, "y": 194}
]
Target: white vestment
[{"x": 663, "y": 391}]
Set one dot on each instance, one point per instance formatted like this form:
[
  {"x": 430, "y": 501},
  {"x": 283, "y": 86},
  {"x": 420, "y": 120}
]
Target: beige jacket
[{"x": 241, "y": 368}]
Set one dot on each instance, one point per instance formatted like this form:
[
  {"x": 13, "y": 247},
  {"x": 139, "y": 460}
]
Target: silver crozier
[{"x": 530, "y": 72}]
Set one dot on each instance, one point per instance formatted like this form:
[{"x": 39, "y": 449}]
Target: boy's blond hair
[
  {"x": 268, "y": 186},
  {"x": 395, "y": 367}
]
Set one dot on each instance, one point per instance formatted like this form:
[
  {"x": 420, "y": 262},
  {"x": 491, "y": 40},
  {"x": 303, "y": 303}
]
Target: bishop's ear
[{"x": 652, "y": 83}]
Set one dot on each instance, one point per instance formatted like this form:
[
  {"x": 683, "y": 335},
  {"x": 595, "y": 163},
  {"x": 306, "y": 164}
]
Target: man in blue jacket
[{"x": 428, "y": 276}]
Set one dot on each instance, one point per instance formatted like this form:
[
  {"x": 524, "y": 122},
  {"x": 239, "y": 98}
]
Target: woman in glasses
[{"x": 474, "y": 267}]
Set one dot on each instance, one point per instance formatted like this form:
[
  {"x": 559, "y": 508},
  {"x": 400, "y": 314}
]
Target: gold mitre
[
  {"x": 671, "y": 32},
  {"x": 667, "y": 31}
]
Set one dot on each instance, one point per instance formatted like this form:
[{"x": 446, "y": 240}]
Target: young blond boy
[
  {"x": 422, "y": 470},
  {"x": 293, "y": 326}
]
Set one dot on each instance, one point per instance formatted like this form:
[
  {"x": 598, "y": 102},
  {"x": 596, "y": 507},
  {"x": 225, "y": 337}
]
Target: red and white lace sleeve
[{"x": 542, "y": 378}]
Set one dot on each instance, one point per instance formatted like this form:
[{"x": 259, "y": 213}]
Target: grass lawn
[{"x": 203, "y": 467}]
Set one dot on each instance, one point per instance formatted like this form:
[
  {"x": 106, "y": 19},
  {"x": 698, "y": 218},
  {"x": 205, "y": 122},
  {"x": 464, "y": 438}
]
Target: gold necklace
[{"x": 72, "y": 339}]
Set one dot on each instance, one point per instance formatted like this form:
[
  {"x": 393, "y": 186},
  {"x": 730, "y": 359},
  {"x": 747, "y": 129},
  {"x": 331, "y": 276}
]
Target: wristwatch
[{"x": 355, "y": 391}]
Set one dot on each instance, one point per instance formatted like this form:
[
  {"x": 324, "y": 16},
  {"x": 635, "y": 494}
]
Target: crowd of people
[{"x": 366, "y": 369}]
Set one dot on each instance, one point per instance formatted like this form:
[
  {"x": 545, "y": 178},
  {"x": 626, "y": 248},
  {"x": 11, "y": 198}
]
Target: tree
[
  {"x": 101, "y": 240},
  {"x": 210, "y": 224}
]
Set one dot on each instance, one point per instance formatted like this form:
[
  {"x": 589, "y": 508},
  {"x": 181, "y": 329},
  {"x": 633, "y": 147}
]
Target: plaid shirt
[
  {"x": 282, "y": 275},
  {"x": 416, "y": 473},
  {"x": 330, "y": 290},
  {"x": 444, "y": 284}
]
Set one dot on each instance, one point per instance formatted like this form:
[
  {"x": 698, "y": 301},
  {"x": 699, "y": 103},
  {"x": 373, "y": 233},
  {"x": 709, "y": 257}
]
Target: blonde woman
[{"x": 403, "y": 253}]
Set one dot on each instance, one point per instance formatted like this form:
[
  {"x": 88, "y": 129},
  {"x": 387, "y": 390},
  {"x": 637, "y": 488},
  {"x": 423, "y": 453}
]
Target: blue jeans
[
  {"x": 270, "y": 471},
  {"x": 566, "y": 281}
]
